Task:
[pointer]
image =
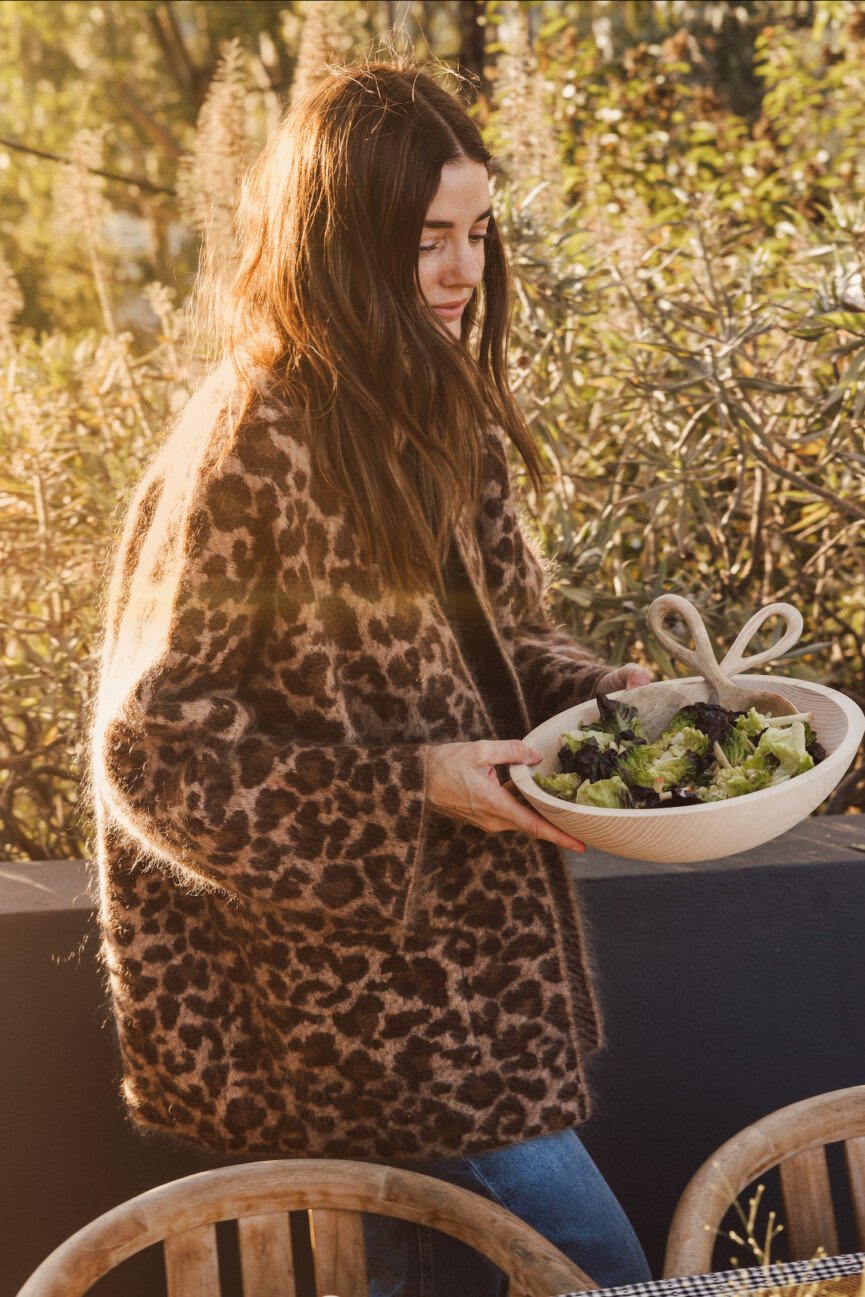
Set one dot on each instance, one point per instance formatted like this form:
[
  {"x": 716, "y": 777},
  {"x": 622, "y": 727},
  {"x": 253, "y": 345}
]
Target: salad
[{"x": 705, "y": 754}]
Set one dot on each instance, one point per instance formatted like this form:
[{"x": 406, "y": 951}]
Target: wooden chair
[
  {"x": 182, "y": 1215},
  {"x": 793, "y": 1139}
]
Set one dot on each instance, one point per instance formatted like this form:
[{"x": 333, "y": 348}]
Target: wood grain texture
[
  {"x": 266, "y": 1260},
  {"x": 195, "y": 1203},
  {"x": 787, "y": 1133},
  {"x": 693, "y": 833},
  {"x": 192, "y": 1263},
  {"x": 854, "y": 1154},
  {"x": 809, "y": 1216},
  {"x": 339, "y": 1253}
]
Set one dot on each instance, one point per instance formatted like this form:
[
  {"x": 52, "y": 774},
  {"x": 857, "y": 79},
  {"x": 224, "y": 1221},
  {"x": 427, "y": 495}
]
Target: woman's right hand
[{"x": 462, "y": 782}]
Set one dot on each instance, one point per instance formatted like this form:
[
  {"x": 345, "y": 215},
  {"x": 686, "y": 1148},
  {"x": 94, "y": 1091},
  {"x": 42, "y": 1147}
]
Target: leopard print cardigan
[{"x": 301, "y": 956}]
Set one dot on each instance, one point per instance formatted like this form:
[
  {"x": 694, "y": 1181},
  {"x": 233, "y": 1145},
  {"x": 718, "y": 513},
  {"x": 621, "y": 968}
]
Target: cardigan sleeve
[
  {"x": 555, "y": 671},
  {"x": 182, "y": 759}
]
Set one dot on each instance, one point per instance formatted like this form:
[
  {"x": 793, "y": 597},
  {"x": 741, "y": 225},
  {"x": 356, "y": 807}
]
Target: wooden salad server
[{"x": 659, "y": 701}]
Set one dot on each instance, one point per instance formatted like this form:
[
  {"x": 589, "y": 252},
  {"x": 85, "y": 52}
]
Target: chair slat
[
  {"x": 266, "y": 1261},
  {"x": 183, "y": 1216},
  {"x": 192, "y": 1263},
  {"x": 809, "y": 1216},
  {"x": 340, "y": 1255},
  {"x": 854, "y": 1151}
]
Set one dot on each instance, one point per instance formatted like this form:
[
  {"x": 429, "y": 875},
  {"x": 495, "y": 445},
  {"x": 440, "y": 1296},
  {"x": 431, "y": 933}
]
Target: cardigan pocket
[{"x": 453, "y": 883}]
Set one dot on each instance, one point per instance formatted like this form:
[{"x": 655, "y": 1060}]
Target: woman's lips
[{"x": 451, "y": 311}]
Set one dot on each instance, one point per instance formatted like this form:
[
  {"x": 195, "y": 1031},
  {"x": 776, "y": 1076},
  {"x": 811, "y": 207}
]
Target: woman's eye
[{"x": 473, "y": 238}]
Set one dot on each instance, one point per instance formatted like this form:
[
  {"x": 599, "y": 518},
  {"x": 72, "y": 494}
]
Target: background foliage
[{"x": 685, "y": 205}]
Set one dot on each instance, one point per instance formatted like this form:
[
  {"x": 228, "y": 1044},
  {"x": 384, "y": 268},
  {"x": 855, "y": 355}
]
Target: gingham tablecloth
[{"x": 796, "y": 1275}]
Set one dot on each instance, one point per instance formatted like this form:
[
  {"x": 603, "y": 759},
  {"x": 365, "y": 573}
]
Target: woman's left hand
[{"x": 628, "y": 676}]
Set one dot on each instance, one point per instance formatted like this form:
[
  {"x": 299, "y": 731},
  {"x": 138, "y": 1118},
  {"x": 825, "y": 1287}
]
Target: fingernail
[{"x": 537, "y": 756}]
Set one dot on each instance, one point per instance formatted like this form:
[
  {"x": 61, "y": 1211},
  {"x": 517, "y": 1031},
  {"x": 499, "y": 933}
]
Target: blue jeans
[{"x": 551, "y": 1183}]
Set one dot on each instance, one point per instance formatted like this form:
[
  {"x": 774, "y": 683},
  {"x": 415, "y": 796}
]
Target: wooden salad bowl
[{"x": 713, "y": 829}]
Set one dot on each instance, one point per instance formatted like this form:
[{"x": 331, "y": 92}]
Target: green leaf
[
  {"x": 553, "y": 27},
  {"x": 852, "y": 321}
]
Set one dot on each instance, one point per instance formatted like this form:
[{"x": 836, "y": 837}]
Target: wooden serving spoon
[{"x": 658, "y": 702}]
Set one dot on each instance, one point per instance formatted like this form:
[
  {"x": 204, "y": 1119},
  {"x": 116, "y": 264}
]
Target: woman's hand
[
  {"x": 462, "y": 783},
  {"x": 627, "y": 677}
]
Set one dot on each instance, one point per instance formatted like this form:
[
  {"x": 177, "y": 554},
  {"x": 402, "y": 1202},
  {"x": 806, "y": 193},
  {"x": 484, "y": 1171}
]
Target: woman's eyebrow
[{"x": 449, "y": 225}]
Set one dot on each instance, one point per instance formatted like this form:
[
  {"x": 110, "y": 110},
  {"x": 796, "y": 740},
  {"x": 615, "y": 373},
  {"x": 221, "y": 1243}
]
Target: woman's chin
[{"x": 453, "y": 327}]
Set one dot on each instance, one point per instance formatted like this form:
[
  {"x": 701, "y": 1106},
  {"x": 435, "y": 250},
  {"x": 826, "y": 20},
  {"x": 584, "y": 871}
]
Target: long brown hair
[{"x": 325, "y": 301}]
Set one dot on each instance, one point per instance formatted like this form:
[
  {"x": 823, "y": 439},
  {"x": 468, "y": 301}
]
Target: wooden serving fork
[{"x": 659, "y": 701}]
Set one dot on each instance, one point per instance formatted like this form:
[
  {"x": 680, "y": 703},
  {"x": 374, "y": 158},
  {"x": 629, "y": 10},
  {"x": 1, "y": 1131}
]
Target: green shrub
[{"x": 688, "y": 345}]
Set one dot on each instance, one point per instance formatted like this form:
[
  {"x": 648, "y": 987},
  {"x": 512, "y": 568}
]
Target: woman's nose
[{"x": 463, "y": 268}]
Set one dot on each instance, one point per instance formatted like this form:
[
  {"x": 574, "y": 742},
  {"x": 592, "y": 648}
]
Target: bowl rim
[{"x": 521, "y": 773}]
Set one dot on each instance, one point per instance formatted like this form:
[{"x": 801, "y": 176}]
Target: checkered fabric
[{"x": 723, "y": 1283}]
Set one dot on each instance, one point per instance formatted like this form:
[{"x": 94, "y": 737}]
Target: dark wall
[
  {"x": 728, "y": 990},
  {"x": 727, "y": 993},
  {"x": 69, "y": 1152}
]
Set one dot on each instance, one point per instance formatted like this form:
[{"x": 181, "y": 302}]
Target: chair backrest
[
  {"x": 182, "y": 1215},
  {"x": 793, "y": 1139}
]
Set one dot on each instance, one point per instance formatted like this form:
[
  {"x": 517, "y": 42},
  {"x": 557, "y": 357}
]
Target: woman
[{"x": 328, "y": 928}]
